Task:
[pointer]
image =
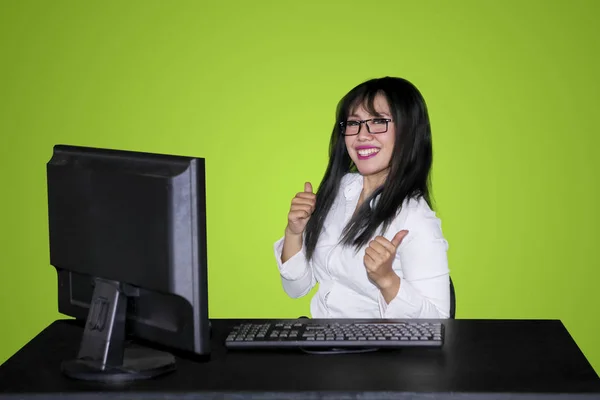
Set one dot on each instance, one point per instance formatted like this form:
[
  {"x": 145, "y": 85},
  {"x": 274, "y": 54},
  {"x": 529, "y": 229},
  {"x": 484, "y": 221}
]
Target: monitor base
[{"x": 139, "y": 363}]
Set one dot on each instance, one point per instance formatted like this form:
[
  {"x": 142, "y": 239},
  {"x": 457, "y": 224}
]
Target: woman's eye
[
  {"x": 379, "y": 121},
  {"x": 352, "y": 123}
]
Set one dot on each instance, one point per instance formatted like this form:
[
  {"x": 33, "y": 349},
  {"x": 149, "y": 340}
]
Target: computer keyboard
[{"x": 335, "y": 334}]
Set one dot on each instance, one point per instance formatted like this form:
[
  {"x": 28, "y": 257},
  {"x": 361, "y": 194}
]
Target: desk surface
[{"x": 480, "y": 359}]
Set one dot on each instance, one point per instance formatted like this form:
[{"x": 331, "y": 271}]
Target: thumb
[
  {"x": 308, "y": 187},
  {"x": 399, "y": 237}
]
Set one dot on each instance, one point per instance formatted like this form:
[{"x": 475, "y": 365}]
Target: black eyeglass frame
[{"x": 364, "y": 121}]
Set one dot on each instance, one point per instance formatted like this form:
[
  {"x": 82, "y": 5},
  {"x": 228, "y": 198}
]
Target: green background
[{"x": 512, "y": 89}]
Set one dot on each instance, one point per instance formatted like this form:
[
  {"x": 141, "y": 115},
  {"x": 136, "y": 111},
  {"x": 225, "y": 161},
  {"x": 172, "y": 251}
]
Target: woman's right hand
[{"x": 303, "y": 205}]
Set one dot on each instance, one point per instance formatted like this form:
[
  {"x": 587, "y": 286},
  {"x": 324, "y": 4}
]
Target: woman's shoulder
[
  {"x": 417, "y": 215},
  {"x": 418, "y": 207},
  {"x": 416, "y": 204}
]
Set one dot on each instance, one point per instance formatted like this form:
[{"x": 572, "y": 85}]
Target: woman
[{"x": 369, "y": 236}]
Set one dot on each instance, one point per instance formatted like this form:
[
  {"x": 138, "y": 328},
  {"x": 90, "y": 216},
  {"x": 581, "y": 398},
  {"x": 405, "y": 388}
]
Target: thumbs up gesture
[
  {"x": 379, "y": 257},
  {"x": 303, "y": 205}
]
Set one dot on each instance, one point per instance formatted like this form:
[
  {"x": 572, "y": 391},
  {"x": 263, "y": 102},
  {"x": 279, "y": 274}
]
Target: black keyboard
[{"x": 339, "y": 334}]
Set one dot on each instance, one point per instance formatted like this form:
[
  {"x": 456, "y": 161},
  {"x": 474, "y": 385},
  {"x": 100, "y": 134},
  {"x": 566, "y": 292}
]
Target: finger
[
  {"x": 300, "y": 201},
  {"x": 304, "y": 195},
  {"x": 374, "y": 255},
  {"x": 382, "y": 245},
  {"x": 369, "y": 262},
  {"x": 296, "y": 215},
  {"x": 305, "y": 200},
  {"x": 307, "y": 209},
  {"x": 308, "y": 187},
  {"x": 399, "y": 237}
]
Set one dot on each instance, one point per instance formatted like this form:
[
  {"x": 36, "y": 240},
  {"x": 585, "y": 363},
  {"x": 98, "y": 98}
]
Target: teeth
[{"x": 367, "y": 152}]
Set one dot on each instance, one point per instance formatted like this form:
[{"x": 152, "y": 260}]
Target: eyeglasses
[{"x": 374, "y": 125}]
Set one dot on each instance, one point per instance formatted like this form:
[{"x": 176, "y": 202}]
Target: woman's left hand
[{"x": 379, "y": 257}]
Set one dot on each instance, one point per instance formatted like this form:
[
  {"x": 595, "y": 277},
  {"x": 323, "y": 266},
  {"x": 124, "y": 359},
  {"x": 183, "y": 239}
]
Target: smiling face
[{"x": 372, "y": 152}]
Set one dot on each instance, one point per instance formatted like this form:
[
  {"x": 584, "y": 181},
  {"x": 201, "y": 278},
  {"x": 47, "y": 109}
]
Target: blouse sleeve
[
  {"x": 297, "y": 277},
  {"x": 422, "y": 264}
]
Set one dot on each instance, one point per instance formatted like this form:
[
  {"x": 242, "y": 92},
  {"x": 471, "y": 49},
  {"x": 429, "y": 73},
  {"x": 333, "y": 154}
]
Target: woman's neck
[{"x": 372, "y": 182}]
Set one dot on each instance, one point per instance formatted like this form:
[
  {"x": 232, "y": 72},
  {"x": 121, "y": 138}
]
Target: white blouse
[{"x": 345, "y": 290}]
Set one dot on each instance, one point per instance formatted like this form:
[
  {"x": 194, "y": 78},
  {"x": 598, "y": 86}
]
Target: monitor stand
[{"x": 103, "y": 354}]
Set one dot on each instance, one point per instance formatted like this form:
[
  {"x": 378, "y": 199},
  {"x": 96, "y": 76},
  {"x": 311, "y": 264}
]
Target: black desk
[{"x": 480, "y": 359}]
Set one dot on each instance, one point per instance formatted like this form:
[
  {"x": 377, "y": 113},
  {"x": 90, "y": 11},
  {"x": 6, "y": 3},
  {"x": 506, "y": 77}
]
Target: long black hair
[{"x": 409, "y": 168}]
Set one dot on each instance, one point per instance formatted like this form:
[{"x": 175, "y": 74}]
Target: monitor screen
[{"x": 127, "y": 235}]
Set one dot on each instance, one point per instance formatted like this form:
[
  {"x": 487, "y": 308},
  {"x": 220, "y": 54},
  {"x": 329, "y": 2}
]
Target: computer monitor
[{"x": 127, "y": 233}]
